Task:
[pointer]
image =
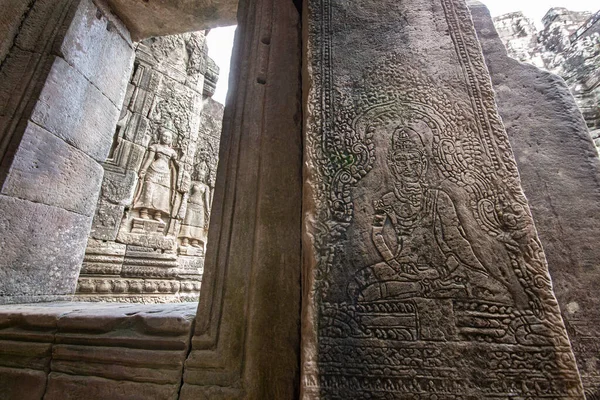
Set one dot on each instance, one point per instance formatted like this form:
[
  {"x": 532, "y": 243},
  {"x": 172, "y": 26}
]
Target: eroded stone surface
[
  {"x": 42, "y": 249},
  {"x": 425, "y": 275},
  {"x": 73, "y": 109},
  {"x": 568, "y": 45},
  {"x": 48, "y": 170},
  {"x": 560, "y": 173},
  {"x": 94, "y": 351},
  {"x": 12, "y": 16},
  {"x": 14, "y": 380},
  {"x": 26, "y": 66},
  {"x": 158, "y": 18},
  {"x": 93, "y": 38}
]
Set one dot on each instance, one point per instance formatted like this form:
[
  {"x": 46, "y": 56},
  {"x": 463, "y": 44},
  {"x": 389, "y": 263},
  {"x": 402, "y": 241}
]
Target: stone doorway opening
[{"x": 149, "y": 233}]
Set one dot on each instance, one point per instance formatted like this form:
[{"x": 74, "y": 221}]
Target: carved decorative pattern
[
  {"x": 159, "y": 176},
  {"x": 410, "y": 324}
]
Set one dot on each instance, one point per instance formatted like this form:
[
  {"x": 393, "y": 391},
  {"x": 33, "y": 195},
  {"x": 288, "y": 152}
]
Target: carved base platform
[
  {"x": 154, "y": 241},
  {"x": 117, "y": 272}
]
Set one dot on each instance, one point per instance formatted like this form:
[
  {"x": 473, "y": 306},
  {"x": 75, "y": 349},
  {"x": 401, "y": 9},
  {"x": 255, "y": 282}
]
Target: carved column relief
[
  {"x": 425, "y": 276},
  {"x": 149, "y": 233}
]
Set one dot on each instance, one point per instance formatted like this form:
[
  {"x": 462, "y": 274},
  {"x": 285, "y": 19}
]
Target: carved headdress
[
  {"x": 168, "y": 126},
  {"x": 407, "y": 140}
]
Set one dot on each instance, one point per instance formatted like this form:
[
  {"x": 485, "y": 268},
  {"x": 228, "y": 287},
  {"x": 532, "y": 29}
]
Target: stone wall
[
  {"x": 148, "y": 235},
  {"x": 63, "y": 71},
  {"x": 568, "y": 45}
]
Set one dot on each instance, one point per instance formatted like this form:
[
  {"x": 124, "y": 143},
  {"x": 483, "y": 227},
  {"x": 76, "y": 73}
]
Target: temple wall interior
[
  {"x": 398, "y": 208},
  {"x": 150, "y": 228},
  {"x": 64, "y": 73},
  {"x": 567, "y": 45}
]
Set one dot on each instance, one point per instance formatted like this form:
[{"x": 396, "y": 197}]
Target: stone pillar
[
  {"x": 560, "y": 173},
  {"x": 425, "y": 277},
  {"x": 62, "y": 81},
  {"x": 246, "y": 339}
]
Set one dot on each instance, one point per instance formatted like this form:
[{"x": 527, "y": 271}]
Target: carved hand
[{"x": 451, "y": 264}]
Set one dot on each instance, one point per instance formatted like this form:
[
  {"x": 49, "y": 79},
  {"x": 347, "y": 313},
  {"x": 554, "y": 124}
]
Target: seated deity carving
[
  {"x": 156, "y": 191},
  {"x": 195, "y": 223},
  {"x": 417, "y": 232}
]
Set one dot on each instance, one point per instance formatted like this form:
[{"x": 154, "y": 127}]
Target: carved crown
[{"x": 407, "y": 140}]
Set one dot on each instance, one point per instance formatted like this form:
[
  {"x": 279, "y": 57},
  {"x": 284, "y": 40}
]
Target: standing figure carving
[
  {"x": 195, "y": 223},
  {"x": 156, "y": 191}
]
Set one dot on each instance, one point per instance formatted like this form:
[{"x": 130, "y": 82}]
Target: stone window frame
[{"x": 245, "y": 338}]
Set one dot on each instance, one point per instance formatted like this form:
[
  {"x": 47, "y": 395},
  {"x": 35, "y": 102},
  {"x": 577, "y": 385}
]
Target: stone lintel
[{"x": 158, "y": 18}]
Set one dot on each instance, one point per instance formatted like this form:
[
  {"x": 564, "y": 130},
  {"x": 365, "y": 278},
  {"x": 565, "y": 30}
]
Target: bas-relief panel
[
  {"x": 427, "y": 277},
  {"x": 156, "y": 195}
]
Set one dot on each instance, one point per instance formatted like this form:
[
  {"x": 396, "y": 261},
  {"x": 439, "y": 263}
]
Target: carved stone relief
[
  {"x": 426, "y": 278},
  {"x": 156, "y": 194},
  {"x": 544, "y": 125}
]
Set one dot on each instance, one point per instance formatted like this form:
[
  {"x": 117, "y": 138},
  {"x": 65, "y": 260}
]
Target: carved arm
[
  {"x": 379, "y": 240},
  {"x": 147, "y": 162}
]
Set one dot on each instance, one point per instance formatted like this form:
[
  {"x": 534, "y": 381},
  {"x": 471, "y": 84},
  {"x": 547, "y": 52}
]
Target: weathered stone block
[
  {"x": 68, "y": 387},
  {"x": 153, "y": 241},
  {"x": 94, "y": 47},
  {"x": 22, "y": 384},
  {"x": 138, "y": 128},
  {"x": 118, "y": 187},
  {"x": 98, "y": 350},
  {"x": 73, "y": 109},
  {"x": 47, "y": 170},
  {"x": 107, "y": 220},
  {"x": 42, "y": 248},
  {"x": 560, "y": 173},
  {"x": 146, "y": 19}
]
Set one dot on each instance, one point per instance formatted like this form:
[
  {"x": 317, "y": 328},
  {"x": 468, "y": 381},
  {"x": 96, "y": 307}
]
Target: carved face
[
  {"x": 408, "y": 166},
  {"x": 166, "y": 137}
]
